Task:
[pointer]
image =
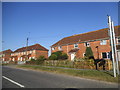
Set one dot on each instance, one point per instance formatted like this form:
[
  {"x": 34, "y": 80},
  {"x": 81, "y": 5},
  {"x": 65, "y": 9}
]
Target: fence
[{"x": 78, "y": 64}]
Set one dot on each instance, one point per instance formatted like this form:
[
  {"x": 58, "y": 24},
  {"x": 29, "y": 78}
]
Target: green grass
[{"x": 91, "y": 74}]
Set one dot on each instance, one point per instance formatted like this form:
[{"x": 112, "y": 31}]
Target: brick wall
[
  {"x": 82, "y": 48},
  {"x": 31, "y": 54},
  {"x": 41, "y": 53}
]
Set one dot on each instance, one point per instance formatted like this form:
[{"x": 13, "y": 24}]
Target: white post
[
  {"x": 111, "y": 43},
  {"x": 116, "y": 56}
]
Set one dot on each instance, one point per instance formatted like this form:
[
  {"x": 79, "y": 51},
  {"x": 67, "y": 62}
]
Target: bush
[
  {"x": 88, "y": 53},
  {"x": 40, "y": 60},
  {"x": 32, "y": 61},
  {"x": 58, "y": 54},
  {"x": 53, "y": 57},
  {"x": 64, "y": 56}
]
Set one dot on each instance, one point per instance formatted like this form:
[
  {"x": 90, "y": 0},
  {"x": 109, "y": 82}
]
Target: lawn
[{"x": 91, "y": 74}]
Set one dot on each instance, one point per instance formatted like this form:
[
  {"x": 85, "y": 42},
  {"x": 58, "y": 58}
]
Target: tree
[
  {"x": 53, "y": 57},
  {"x": 88, "y": 52}
]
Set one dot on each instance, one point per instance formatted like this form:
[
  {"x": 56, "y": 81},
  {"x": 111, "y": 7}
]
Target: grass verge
[{"x": 91, "y": 74}]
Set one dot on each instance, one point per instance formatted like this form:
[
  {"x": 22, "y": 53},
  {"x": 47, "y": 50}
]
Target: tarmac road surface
[{"x": 24, "y": 78}]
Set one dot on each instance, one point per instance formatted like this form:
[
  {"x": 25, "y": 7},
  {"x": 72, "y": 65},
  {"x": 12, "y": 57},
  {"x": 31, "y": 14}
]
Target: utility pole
[
  {"x": 27, "y": 47},
  {"x": 115, "y": 51},
  {"x": 112, "y": 44}
]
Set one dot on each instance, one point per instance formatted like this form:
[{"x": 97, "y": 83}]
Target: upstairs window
[
  {"x": 75, "y": 45},
  {"x": 60, "y": 47},
  {"x": 24, "y": 53},
  {"x": 103, "y": 42},
  {"x": 53, "y": 48},
  {"x": 87, "y": 44}
]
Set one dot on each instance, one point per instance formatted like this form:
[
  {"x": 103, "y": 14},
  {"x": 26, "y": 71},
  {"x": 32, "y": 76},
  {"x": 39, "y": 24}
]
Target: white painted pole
[
  {"x": 116, "y": 56},
  {"x": 112, "y": 47}
]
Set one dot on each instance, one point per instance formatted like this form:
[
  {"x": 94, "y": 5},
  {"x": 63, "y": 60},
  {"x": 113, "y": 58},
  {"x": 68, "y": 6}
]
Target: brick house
[
  {"x": 5, "y": 55},
  {"x": 98, "y": 40},
  {"x": 26, "y": 53}
]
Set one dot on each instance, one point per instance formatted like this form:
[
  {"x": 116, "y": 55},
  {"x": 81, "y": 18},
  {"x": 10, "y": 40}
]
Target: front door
[{"x": 72, "y": 56}]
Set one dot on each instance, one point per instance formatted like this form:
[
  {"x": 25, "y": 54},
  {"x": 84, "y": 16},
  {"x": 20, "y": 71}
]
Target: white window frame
[
  {"x": 30, "y": 57},
  {"x": 118, "y": 39},
  {"x": 18, "y": 58},
  {"x": 30, "y": 52},
  {"x": 103, "y": 42},
  {"x": 83, "y": 54},
  {"x": 60, "y": 47},
  {"x": 33, "y": 51},
  {"x": 87, "y": 44},
  {"x": 53, "y": 48},
  {"x": 3, "y": 59},
  {"x": 107, "y": 53},
  {"x": 24, "y": 53},
  {"x": 33, "y": 57},
  {"x": 75, "y": 45}
]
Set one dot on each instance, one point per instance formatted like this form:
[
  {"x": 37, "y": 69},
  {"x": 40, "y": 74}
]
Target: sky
[{"x": 48, "y": 22}]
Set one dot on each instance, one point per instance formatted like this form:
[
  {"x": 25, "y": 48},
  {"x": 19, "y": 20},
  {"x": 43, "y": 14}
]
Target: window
[
  {"x": 29, "y": 57},
  {"x": 3, "y": 59},
  {"x": 106, "y": 55},
  {"x": 75, "y": 45},
  {"x": 53, "y": 48},
  {"x": 103, "y": 42},
  {"x": 33, "y": 51},
  {"x": 87, "y": 44},
  {"x": 118, "y": 40},
  {"x": 19, "y": 58},
  {"x": 24, "y": 53},
  {"x": 83, "y": 54},
  {"x": 60, "y": 47},
  {"x": 33, "y": 57},
  {"x": 30, "y": 52}
]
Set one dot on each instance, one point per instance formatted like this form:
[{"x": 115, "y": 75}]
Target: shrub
[
  {"x": 88, "y": 53},
  {"x": 58, "y": 54},
  {"x": 53, "y": 57},
  {"x": 32, "y": 61},
  {"x": 64, "y": 56},
  {"x": 40, "y": 60}
]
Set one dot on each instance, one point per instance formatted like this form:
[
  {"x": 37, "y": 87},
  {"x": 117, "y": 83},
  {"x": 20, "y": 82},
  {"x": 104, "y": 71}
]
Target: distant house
[
  {"x": 26, "y": 53},
  {"x": 98, "y": 40},
  {"x": 5, "y": 55}
]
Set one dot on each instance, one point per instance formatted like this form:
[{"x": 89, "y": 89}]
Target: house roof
[
  {"x": 33, "y": 47},
  {"x": 7, "y": 51},
  {"x": 93, "y": 35}
]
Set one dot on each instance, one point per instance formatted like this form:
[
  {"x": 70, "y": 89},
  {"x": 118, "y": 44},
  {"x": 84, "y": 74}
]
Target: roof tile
[
  {"x": 93, "y": 35},
  {"x": 33, "y": 47}
]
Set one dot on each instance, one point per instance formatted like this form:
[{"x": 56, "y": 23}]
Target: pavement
[{"x": 25, "y": 78}]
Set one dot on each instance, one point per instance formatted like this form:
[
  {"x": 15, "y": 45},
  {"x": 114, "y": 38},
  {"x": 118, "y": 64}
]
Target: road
[{"x": 24, "y": 78}]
